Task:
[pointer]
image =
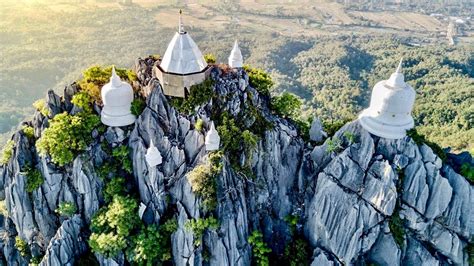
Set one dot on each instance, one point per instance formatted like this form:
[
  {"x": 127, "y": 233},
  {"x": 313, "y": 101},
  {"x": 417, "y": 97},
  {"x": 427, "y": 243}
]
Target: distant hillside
[{"x": 324, "y": 53}]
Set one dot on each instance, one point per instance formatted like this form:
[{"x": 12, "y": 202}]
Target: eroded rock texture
[{"x": 346, "y": 198}]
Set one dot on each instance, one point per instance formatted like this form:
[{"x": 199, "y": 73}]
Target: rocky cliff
[{"x": 363, "y": 201}]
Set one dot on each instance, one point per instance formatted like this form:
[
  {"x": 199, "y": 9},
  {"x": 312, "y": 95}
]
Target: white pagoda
[
  {"x": 153, "y": 156},
  {"x": 391, "y": 103},
  {"x": 212, "y": 140},
  {"x": 235, "y": 59},
  {"x": 117, "y": 97},
  {"x": 182, "y": 66}
]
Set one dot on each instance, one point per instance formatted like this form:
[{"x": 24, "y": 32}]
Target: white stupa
[
  {"x": 235, "y": 59},
  {"x": 141, "y": 210},
  {"x": 153, "y": 156},
  {"x": 389, "y": 113},
  {"x": 117, "y": 97},
  {"x": 212, "y": 140},
  {"x": 182, "y": 66}
]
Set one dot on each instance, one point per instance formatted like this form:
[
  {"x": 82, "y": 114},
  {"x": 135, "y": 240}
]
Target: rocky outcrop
[
  {"x": 346, "y": 197},
  {"x": 67, "y": 245}
]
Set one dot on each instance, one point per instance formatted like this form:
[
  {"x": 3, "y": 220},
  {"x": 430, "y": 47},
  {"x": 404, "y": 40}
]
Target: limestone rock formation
[{"x": 347, "y": 200}]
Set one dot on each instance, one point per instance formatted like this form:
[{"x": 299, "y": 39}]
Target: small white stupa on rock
[
  {"x": 235, "y": 59},
  {"x": 212, "y": 140},
  {"x": 153, "y": 156},
  {"x": 389, "y": 113},
  {"x": 117, "y": 97},
  {"x": 182, "y": 66}
]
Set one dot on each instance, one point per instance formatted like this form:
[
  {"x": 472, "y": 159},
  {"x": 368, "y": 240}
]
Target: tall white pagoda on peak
[
  {"x": 391, "y": 103},
  {"x": 182, "y": 66},
  {"x": 235, "y": 58},
  {"x": 117, "y": 97}
]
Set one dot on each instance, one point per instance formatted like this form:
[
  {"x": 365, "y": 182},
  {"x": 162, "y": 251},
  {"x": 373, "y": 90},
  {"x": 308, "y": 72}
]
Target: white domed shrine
[
  {"x": 153, "y": 156},
  {"x": 117, "y": 97},
  {"x": 182, "y": 65},
  {"x": 212, "y": 140},
  {"x": 391, "y": 103},
  {"x": 235, "y": 59}
]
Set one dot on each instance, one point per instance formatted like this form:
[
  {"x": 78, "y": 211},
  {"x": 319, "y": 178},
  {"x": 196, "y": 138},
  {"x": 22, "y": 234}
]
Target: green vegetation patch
[
  {"x": 137, "y": 107},
  {"x": 210, "y": 58},
  {"x": 66, "y": 209},
  {"x": 260, "y": 249},
  {"x": 467, "y": 170},
  {"x": 97, "y": 76},
  {"x": 7, "y": 152},
  {"x": 199, "y": 226},
  {"x": 420, "y": 139},
  {"x": 203, "y": 179},
  {"x": 66, "y": 136},
  {"x": 333, "y": 145},
  {"x": 198, "y": 94},
  {"x": 286, "y": 105},
  {"x": 259, "y": 79},
  {"x": 3, "y": 208},
  {"x": 234, "y": 141},
  {"x": 395, "y": 224},
  {"x": 116, "y": 186},
  {"x": 297, "y": 252},
  {"x": 112, "y": 226},
  {"x": 199, "y": 125},
  {"x": 22, "y": 247},
  {"x": 29, "y": 132},
  {"x": 121, "y": 154},
  {"x": 42, "y": 107},
  {"x": 34, "y": 179}
]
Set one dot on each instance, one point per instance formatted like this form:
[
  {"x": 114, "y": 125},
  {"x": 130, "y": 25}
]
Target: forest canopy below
[{"x": 46, "y": 47}]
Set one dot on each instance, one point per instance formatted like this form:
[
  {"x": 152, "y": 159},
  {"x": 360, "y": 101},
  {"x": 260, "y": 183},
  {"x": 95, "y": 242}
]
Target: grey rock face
[
  {"x": 316, "y": 132},
  {"x": 346, "y": 200},
  {"x": 67, "y": 245},
  {"x": 385, "y": 251},
  {"x": 429, "y": 202}
]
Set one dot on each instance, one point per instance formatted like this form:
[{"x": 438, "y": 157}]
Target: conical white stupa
[
  {"x": 212, "y": 140},
  {"x": 182, "y": 55},
  {"x": 391, "y": 103},
  {"x": 235, "y": 59},
  {"x": 117, "y": 97},
  {"x": 153, "y": 156}
]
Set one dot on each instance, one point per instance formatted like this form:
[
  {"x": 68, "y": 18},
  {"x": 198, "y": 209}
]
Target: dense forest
[{"x": 44, "y": 48}]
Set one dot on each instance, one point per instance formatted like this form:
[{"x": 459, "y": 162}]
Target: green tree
[
  {"x": 259, "y": 248},
  {"x": 287, "y": 105},
  {"x": 259, "y": 79}
]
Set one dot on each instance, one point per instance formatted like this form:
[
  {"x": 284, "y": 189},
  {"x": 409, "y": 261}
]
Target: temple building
[
  {"x": 213, "y": 139},
  {"x": 391, "y": 103},
  {"x": 182, "y": 66},
  {"x": 235, "y": 59},
  {"x": 117, "y": 97}
]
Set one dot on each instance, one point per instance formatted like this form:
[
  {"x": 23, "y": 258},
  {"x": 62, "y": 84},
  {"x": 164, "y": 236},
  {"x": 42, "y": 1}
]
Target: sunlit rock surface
[{"x": 345, "y": 198}]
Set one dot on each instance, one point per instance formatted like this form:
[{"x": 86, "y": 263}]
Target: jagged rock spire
[{"x": 235, "y": 59}]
